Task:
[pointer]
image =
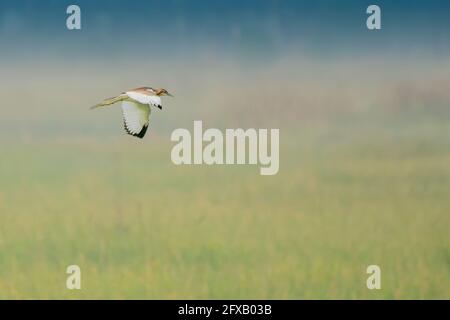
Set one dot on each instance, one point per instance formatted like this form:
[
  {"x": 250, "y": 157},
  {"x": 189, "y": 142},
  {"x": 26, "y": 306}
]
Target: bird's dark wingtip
[
  {"x": 142, "y": 133},
  {"x": 139, "y": 135}
]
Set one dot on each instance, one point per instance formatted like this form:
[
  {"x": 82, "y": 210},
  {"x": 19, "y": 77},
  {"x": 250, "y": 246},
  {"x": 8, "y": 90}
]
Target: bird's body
[{"x": 136, "y": 108}]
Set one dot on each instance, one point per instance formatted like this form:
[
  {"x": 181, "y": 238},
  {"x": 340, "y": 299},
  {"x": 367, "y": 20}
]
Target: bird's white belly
[{"x": 145, "y": 99}]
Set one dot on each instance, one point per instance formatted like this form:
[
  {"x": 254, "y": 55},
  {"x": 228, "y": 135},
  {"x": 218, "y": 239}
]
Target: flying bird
[{"x": 136, "y": 107}]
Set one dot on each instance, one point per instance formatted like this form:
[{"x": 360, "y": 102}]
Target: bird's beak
[{"x": 169, "y": 94}]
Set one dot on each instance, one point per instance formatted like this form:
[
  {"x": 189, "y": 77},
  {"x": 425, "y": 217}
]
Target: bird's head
[{"x": 163, "y": 92}]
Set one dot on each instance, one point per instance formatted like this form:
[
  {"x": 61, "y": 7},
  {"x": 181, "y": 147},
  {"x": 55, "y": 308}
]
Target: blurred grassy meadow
[{"x": 364, "y": 179}]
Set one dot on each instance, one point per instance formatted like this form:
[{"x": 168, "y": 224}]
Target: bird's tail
[{"x": 110, "y": 101}]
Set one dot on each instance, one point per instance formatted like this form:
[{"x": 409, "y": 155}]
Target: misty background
[
  {"x": 286, "y": 64},
  {"x": 364, "y": 175}
]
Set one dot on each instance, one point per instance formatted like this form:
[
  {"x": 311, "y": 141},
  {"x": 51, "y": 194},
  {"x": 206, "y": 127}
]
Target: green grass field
[{"x": 346, "y": 196}]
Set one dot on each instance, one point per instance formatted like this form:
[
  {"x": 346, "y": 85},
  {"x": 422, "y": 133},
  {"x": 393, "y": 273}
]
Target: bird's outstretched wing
[
  {"x": 135, "y": 118},
  {"x": 110, "y": 101}
]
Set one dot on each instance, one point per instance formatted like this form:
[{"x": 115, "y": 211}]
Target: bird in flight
[{"x": 136, "y": 107}]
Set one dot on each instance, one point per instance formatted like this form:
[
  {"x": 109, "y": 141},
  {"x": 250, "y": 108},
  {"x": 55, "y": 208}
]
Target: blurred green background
[
  {"x": 364, "y": 179},
  {"x": 364, "y": 161}
]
